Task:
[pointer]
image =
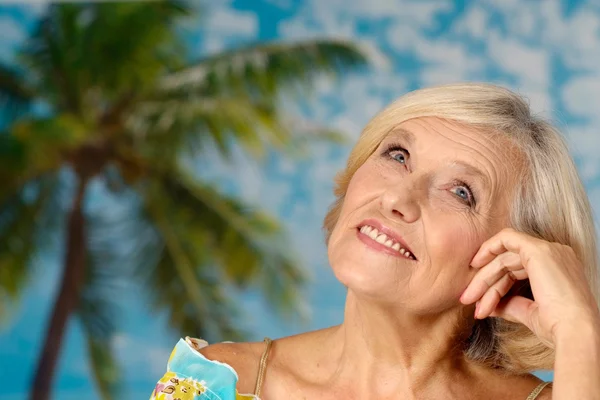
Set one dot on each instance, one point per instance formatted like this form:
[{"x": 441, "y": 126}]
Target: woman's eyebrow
[
  {"x": 404, "y": 134},
  {"x": 473, "y": 171}
]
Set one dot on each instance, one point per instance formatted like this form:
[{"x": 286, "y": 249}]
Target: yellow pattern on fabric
[
  {"x": 245, "y": 397},
  {"x": 172, "y": 387}
]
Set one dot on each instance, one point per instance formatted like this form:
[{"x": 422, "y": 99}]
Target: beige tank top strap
[
  {"x": 536, "y": 392},
  {"x": 262, "y": 367}
]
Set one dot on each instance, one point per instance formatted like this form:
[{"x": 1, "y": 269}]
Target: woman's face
[{"x": 436, "y": 187}]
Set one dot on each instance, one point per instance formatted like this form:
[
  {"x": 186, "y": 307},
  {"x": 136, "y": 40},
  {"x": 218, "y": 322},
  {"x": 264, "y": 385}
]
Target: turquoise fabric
[{"x": 191, "y": 376}]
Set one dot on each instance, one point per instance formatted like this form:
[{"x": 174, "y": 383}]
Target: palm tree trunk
[{"x": 68, "y": 297}]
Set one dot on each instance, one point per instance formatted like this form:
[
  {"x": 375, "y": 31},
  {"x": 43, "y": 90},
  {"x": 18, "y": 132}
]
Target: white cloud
[
  {"x": 11, "y": 31},
  {"x": 38, "y": 7},
  {"x": 474, "y": 22},
  {"x": 594, "y": 196},
  {"x": 584, "y": 141},
  {"x": 530, "y": 64},
  {"x": 581, "y": 96},
  {"x": 222, "y": 26},
  {"x": 340, "y": 18},
  {"x": 141, "y": 356},
  {"x": 589, "y": 168},
  {"x": 403, "y": 37},
  {"x": 447, "y": 62},
  {"x": 12, "y": 36},
  {"x": 35, "y": 7},
  {"x": 574, "y": 38},
  {"x": 306, "y": 26},
  {"x": 232, "y": 23},
  {"x": 283, "y": 4}
]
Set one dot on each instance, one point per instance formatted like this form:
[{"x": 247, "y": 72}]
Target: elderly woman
[{"x": 466, "y": 241}]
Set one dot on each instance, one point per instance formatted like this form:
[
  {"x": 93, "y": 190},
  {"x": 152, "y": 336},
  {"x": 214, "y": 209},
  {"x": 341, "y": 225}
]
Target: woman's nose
[{"x": 401, "y": 202}]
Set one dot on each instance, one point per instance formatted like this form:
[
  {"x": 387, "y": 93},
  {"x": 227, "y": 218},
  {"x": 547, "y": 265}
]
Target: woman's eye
[
  {"x": 464, "y": 192},
  {"x": 398, "y": 154}
]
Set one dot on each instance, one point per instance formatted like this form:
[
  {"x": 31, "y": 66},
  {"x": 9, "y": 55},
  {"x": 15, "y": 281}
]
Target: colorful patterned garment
[{"x": 191, "y": 376}]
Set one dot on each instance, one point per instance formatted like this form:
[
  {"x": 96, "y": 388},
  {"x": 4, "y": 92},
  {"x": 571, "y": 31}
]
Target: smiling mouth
[{"x": 388, "y": 243}]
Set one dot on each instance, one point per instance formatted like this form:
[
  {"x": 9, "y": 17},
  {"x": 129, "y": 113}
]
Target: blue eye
[
  {"x": 465, "y": 193},
  {"x": 399, "y": 157},
  {"x": 397, "y": 153}
]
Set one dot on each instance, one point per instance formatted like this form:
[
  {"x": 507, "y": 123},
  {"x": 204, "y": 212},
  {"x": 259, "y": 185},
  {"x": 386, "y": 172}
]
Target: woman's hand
[{"x": 563, "y": 299}]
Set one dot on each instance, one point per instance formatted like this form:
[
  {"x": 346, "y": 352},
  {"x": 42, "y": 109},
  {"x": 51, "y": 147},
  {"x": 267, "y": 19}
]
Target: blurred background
[{"x": 165, "y": 166}]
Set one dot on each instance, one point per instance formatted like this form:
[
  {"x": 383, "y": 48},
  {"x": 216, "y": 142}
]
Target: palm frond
[
  {"x": 15, "y": 94},
  {"x": 140, "y": 40},
  {"x": 197, "y": 302},
  {"x": 128, "y": 245},
  {"x": 30, "y": 150},
  {"x": 185, "y": 283},
  {"x": 98, "y": 310},
  {"x": 67, "y": 52},
  {"x": 26, "y": 217},
  {"x": 48, "y": 141},
  {"x": 13, "y": 161},
  {"x": 262, "y": 70},
  {"x": 177, "y": 126},
  {"x": 99, "y": 329},
  {"x": 52, "y": 54},
  {"x": 199, "y": 228},
  {"x": 250, "y": 244},
  {"x": 105, "y": 369}
]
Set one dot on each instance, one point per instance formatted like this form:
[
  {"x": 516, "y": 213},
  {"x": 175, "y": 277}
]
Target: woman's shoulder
[
  {"x": 242, "y": 357},
  {"x": 521, "y": 386},
  {"x": 545, "y": 393}
]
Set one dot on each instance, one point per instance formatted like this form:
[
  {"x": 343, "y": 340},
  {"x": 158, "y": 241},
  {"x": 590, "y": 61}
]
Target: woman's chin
[
  {"x": 367, "y": 270},
  {"x": 360, "y": 279}
]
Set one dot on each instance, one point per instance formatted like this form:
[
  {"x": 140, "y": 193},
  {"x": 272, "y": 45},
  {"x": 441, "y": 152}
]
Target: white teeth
[{"x": 382, "y": 238}]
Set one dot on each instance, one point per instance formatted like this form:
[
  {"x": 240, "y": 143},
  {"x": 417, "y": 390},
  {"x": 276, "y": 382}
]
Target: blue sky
[{"x": 548, "y": 51}]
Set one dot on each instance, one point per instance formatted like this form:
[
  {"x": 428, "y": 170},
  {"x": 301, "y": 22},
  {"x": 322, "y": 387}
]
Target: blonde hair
[{"x": 551, "y": 203}]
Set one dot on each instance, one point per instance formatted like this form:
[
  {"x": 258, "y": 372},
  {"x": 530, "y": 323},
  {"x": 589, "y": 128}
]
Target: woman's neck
[{"x": 382, "y": 349}]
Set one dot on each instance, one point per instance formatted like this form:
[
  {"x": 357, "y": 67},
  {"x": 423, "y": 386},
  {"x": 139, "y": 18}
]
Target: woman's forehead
[{"x": 450, "y": 137}]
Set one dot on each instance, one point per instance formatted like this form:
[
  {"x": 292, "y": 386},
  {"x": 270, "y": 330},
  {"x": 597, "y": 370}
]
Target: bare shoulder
[
  {"x": 545, "y": 394},
  {"x": 244, "y": 358},
  {"x": 533, "y": 383},
  {"x": 516, "y": 386}
]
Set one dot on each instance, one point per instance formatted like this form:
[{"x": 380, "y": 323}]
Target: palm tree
[{"x": 104, "y": 97}]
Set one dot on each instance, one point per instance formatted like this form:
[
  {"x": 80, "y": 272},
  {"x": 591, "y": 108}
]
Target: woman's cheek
[{"x": 453, "y": 239}]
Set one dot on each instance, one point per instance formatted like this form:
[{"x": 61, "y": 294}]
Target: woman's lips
[
  {"x": 388, "y": 231},
  {"x": 367, "y": 240}
]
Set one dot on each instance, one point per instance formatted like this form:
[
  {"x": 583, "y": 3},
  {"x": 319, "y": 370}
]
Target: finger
[
  {"x": 506, "y": 240},
  {"x": 493, "y": 296},
  {"x": 516, "y": 309},
  {"x": 507, "y": 263}
]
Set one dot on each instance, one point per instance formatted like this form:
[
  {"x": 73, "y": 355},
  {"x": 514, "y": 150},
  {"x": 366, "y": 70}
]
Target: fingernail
[{"x": 476, "y": 310}]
